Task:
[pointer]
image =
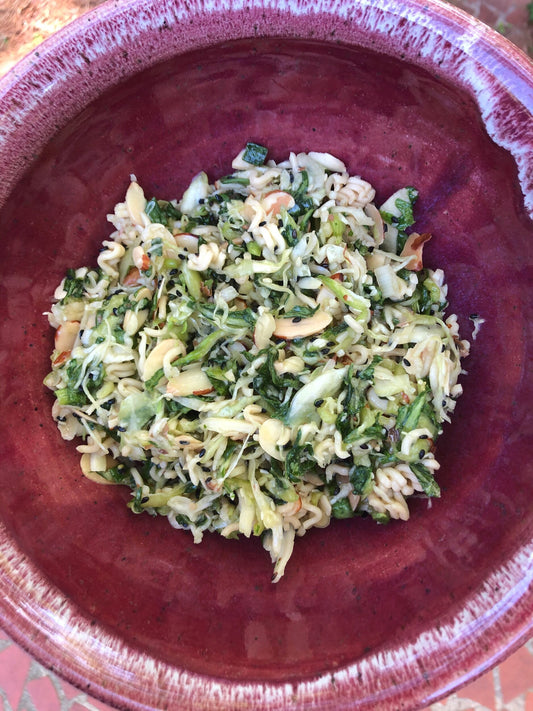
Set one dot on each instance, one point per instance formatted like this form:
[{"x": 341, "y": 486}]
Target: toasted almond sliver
[
  {"x": 291, "y": 328},
  {"x": 135, "y": 202},
  {"x": 154, "y": 361},
  {"x": 66, "y": 335},
  {"x": 189, "y": 382}
]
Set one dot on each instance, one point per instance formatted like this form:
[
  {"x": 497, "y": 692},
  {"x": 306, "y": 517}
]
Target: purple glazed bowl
[{"x": 406, "y": 93}]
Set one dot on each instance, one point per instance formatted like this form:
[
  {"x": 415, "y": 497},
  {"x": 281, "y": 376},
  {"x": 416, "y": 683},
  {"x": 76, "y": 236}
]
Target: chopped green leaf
[
  {"x": 426, "y": 479},
  {"x": 342, "y": 509},
  {"x": 360, "y": 479},
  {"x": 408, "y": 415},
  {"x": 299, "y": 460},
  {"x": 255, "y": 154}
]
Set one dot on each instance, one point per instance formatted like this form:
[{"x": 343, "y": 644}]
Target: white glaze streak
[{"x": 66, "y": 635}]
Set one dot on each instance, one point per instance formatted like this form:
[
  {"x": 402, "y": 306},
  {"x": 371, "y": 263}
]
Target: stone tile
[
  {"x": 14, "y": 668},
  {"x": 516, "y": 675},
  {"x": 481, "y": 690},
  {"x": 43, "y": 694}
]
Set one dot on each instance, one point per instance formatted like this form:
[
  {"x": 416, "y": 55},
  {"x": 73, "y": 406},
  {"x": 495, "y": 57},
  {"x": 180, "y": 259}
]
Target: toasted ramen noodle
[{"x": 261, "y": 356}]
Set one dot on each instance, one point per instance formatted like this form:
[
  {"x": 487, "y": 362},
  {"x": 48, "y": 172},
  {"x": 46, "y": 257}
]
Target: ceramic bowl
[{"x": 406, "y": 93}]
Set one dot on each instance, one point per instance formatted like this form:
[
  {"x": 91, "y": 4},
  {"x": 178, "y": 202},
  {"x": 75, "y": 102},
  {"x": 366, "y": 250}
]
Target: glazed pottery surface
[{"x": 366, "y": 616}]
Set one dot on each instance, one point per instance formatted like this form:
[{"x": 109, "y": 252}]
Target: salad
[{"x": 261, "y": 356}]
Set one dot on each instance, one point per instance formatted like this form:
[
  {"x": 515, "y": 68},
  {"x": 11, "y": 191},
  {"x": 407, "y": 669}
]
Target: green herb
[
  {"x": 426, "y": 479},
  {"x": 405, "y": 208},
  {"x": 118, "y": 334},
  {"x": 351, "y": 405},
  {"x": 240, "y": 318},
  {"x": 299, "y": 460},
  {"x": 303, "y": 202},
  {"x": 301, "y": 312},
  {"x": 368, "y": 372},
  {"x": 73, "y": 285},
  {"x": 272, "y": 387},
  {"x": 289, "y": 228},
  {"x": 361, "y": 479},
  {"x": 71, "y": 396},
  {"x": 255, "y": 154},
  {"x": 225, "y": 460},
  {"x": 161, "y": 211},
  {"x": 408, "y": 415},
  {"x": 219, "y": 381},
  {"x": 156, "y": 247},
  {"x": 342, "y": 509},
  {"x": 234, "y": 179}
]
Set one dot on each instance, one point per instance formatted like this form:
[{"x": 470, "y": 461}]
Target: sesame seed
[
  {"x": 297, "y": 319},
  {"x": 422, "y": 454},
  {"x": 319, "y": 402},
  {"x": 406, "y": 362},
  {"x": 145, "y": 499},
  {"x": 201, "y": 452}
]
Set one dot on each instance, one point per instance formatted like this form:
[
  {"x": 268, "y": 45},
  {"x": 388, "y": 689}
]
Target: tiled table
[{"x": 24, "y": 684}]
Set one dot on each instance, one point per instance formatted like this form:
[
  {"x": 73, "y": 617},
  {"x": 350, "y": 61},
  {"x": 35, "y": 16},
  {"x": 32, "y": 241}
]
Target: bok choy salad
[{"x": 261, "y": 356}]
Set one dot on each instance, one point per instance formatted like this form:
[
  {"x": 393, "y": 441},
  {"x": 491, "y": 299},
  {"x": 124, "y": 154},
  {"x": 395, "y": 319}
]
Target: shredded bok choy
[{"x": 261, "y": 356}]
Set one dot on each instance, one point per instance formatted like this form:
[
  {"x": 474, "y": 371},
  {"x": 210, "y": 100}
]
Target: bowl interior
[{"x": 354, "y": 589}]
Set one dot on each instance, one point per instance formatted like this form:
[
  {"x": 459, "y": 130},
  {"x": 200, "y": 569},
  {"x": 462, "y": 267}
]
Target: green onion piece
[
  {"x": 200, "y": 351},
  {"x": 233, "y": 180},
  {"x": 254, "y": 249},
  {"x": 255, "y": 154}
]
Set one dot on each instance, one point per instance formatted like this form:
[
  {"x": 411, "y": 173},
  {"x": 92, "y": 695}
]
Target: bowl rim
[{"x": 36, "y": 614}]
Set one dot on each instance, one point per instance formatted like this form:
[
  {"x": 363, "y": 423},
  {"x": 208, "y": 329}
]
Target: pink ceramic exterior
[{"x": 366, "y": 617}]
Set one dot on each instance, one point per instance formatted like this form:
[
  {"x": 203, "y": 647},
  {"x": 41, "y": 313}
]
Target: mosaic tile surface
[{"x": 25, "y": 685}]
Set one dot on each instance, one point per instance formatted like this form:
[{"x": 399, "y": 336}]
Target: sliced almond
[
  {"x": 186, "y": 441},
  {"x": 135, "y": 202},
  {"x": 66, "y": 335},
  {"x": 189, "y": 382},
  {"x": 272, "y": 435},
  {"x": 275, "y": 200},
  {"x": 229, "y": 426},
  {"x": 413, "y": 248},
  {"x": 154, "y": 361},
  {"x": 264, "y": 328},
  {"x": 291, "y": 328},
  {"x": 133, "y": 320}
]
